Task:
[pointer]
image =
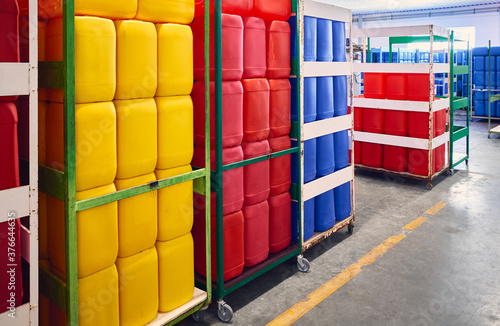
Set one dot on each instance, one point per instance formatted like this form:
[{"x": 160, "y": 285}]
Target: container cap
[{"x": 8, "y": 113}]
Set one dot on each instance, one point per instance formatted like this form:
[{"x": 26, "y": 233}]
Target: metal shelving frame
[
  {"x": 320, "y": 128},
  {"x": 62, "y": 185},
  {"x": 22, "y": 79},
  {"x": 404, "y": 35}
]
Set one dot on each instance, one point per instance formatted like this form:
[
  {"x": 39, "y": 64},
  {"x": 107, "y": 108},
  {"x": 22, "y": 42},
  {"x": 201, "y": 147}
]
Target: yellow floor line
[
  {"x": 415, "y": 224},
  {"x": 436, "y": 208}
]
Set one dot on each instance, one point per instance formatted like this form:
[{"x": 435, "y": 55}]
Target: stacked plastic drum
[
  {"x": 133, "y": 126},
  {"x": 255, "y": 122},
  {"x": 324, "y": 98},
  {"x": 398, "y": 86},
  {"x": 9, "y": 164},
  {"x": 486, "y": 74}
]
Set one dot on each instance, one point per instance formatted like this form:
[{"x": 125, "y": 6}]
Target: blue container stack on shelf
[{"x": 486, "y": 73}]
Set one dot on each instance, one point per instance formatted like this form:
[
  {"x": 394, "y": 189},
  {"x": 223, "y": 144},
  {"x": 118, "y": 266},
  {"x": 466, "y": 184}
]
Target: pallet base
[
  {"x": 320, "y": 236},
  {"x": 404, "y": 174}
]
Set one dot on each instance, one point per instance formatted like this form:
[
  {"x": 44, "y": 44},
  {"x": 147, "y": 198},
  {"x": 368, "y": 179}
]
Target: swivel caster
[
  {"x": 350, "y": 228},
  {"x": 303, "y": 264},
  {"x": 199, "y": 316},
  {"x": 429, "y": 186},
  {"x": 224, "y": 311}
]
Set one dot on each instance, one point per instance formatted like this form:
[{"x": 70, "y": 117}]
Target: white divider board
[
  {"x": 409, "y": 142},
  {"x": 329, "y": 182},
  {"x": 326, "y": 11},
  {"x": 14, "y": 78},
  {"x": 418, "y": 30},
  {"x": 22, "y": 317},
  {"x": 15, "y": 200},
  {"x": 408, "y": 68},
  {"x": 325, "y": 127},
  {"x": 320, "y": 69},
  {"x": 410, "y": 106}
]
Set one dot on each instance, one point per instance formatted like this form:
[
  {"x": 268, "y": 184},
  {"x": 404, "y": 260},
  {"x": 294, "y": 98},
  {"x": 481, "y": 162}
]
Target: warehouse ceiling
[{"x": 385, "y": 6}]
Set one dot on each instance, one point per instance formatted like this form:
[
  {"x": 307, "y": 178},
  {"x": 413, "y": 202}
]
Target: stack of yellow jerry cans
[{"x": 134, "y": 125}]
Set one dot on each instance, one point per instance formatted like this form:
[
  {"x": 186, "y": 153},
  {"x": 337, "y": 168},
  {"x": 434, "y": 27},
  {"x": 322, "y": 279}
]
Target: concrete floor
[{"x": 445, "y": 272}]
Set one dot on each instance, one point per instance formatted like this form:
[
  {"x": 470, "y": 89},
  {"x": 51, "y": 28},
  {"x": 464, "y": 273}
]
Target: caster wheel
[
  {"x": 199, "y": 316},
  {"x": 489, "y": 136},
  {"x": 303, "y": 264},
  {"x": 429, "y": 186},
  {"x": 350, "y": 228},
  {"x": 467, "y": 162},
  {"x": 225, "y": 312}
]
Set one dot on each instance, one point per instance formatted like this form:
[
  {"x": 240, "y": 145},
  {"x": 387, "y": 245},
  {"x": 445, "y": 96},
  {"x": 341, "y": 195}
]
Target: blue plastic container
[
  {"x": 340, "y": 95},
  {"x": 324, "y": 98},
  {"x": 479, "y": 63},
  {"x": 325, "y": 157},
  {"x": 495, "y": 50},
  {"x": 493, "y": 109},
  {"x": 479, "y": 108},
  {"x": 293, "y": 168},
  {"x": 497, "y": 63},
  {"x": 343, "y": 201},
  {"x": 479, "y": 79},
  {"x": 497, "y": 79},
  {"x": 481, "y": 96},
  {"x": 310, "y": 160},
  {"x": 310, "y": 38},
  {"x": 493, "y": 62},
  {"x": 325, "y": 46},
  {"x": 324, "y": 215},
  {"x": 491, "y": 78},
  {"x": 498, "y": 108},
  {"x": 338, "y": 33},
  {"x": 293, "y": 99},
  {"x": 480, "y": 51},
  {"x": 310, "y": 99},
  {"x": 293, "y": 36},
  {"x": 308, "y": 220},
  {"x": 341, "y": 149}
]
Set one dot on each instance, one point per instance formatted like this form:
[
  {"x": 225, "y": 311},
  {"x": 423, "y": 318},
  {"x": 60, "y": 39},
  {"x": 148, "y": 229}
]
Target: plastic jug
[
  {"x": 308, "y": 219},
  {"x": 272, "y": 9},
  {"x": 280, "y": 167},
  {"x": 480, "y": 79},
  {"x": 293, "y": 101},
  {"x": 324, "y": 218},
  {"x": 396, "y": 123},
  {"x": 138, "y": 276},
  {"x": 136, "y": 137},
  {"x": 232, "y": 48},
  {"x": 175, "y": 205},
  {"x": 278, "y": 49},
  {"x": 254, "y": 48},
  {"x": 97, "y": 230},
  {"x": 280, "y": 209},
  {"x": 479, "y": 64},
  {"x": 395, "y": 158},
  {"x": 358, "y": 119},
  {"x": 256, "y": 176},
  {"x": 256, "y": 233},
  {"x": 374, "y": 85},
  {"x": 479, "y": 109},
  {"x": 310, "y": 38},
  {"x": 232, "y": 113},
  {"x": 234, "y": 7},
  {"x": 339, "y": 42},
  {"x": 279, "y": 107},
  {"x": 325, "y": 163},
  {"x": 255, "y": 109},
  {"x": 137, "y": 217},
  {"x": 419, "y": 87},
  {"x": 9, "y": 35},
  {"x": 232, "y": 179},
  {"x": 175, "y": 131},
  {"x": 439, "y": 157},
  {"x": 310, "y": 99},
  {"x": 175, "y": 60},
  {"x": 371, "y": 155},
  {"x": 418, "y": 124},
  {"x": 114, "y": 9},
  {"x": 95, "y": 58},
  {"x": 343, "y": 201},
  {"x": 309, "y": 160},
  {"x": 163, "y": 11},
  {"x": 325, "y": 98},
  {"x": 340, "y": 95},
  {"x": 9, "y": 164},
  {"x": 293, "y": 36},
  {"x": 176, "y": 285},
  {"x": 341, "y": 149},
  {"x": 373, "y": 120},
  {"x": 325, "y": 39},
  {"x": 396, "y": 86},
  {"x": 233, "y": 238},
  {"x": 136, "y": 59},
  {"x": 418, "y": 161},
  {"x": 358, "y": 149}
]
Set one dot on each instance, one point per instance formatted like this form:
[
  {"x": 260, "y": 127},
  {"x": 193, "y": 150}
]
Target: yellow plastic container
[
  {"x": 136, "y": 137},
  {"x": 138, "y": 276},
  {"x": 175, "y": 205},
  {"x": 98, "y": 300},
  {"x": 115, "y": 9},
  {"x": 175, "y": 60},
  {"x": 175, "y": 131},
  {"x": 97, "y": 233},
  {"x": 136, "y": 59},
  {"x": 176, "y": 272},
  {"x": 95, "y": 58},
  {"x": 166, "y": 11},
  {"x": 137, "y": 217}
]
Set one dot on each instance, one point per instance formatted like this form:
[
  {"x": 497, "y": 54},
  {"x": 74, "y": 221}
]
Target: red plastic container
[
  {"x": 395, "y": 158},
  {"x": 256, "y": 176},
  {"x": 256, "y": 233},
  {"x": 255, "y": 109},
  {"x": 374, "y": 85},
  {"x": 358, "y": 148},
  {"x": 358, "y": 119},
  {"x": 419, "y": 87},
  {"x": 232, "y": 180},
  {"x": 254, "y": 48},
  {"x": 439, "y": 157},
  {"x": 279, "y": 107},
  {"x": 232, "y": 48},
  {"x": 396, "y": 86},
  {"x": 371, "y": 155},
  {"x": 9, "y": 152},
  {"x": 418, "y": 161},
  {"x": 234, "y": 7},
  {"x": 280, "y": 227},
  {"x": 278, "y": 49},
  {"x": 9, "y": 35},
  {"x": 373, "y": 120},
  {"x": 234, "y": 255},
  {"x": 439, "y": 122},
  {"x": 418, "y": 124},
  {"x": 272, "y": 9},
  {"x": 280, "y": 175},
  {"x": 232, "y": 113},
  {"x": 396, "y": 123}
]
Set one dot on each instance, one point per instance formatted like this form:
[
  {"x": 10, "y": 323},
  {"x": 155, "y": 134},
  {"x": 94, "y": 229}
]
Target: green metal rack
[
  {"x": 491, "y": 98},
  {"x": 62, "y": 185}
]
